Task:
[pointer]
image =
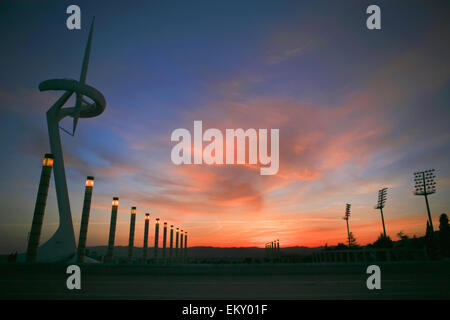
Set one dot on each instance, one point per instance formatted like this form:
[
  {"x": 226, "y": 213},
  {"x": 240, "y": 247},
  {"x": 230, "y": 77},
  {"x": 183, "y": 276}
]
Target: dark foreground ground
[{"x": 424, "y": 280}]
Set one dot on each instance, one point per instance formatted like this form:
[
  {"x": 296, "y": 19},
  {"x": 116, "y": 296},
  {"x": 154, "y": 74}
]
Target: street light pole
[
  {"x": 112, "y": 230},
  {"x": 171, "y": 243},
  {"x": 185, "y": 245},
  {"x": 131, "y": 238},
  {"x": 145, "y": 246},
  {"x": 156, "y": 239},
  {"x": 39, "y": 208},
  {"x": 85, "y": 219},
  {"x": 164, "y": 241},
  {"x": 181, "y": 246},
  {"x": 176, "y": 243}
]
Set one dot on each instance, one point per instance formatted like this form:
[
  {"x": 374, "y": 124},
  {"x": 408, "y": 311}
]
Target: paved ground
[{"x": 426, "y": 280}]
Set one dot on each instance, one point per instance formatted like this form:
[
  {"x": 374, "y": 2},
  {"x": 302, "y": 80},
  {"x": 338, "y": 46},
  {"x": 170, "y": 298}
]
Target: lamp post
[
  {"x": 156, "y": 239},
  {"x": 185, "y": 245},
  {"x": 176, "y": 244},
  {"x": 145, "y": 246},
  {"x": 131, "y": 239},
  {"x": 89, "y": 186},
  {"x": 112, "y": 230},
  {"x": 424, "y": 186},
  {"x": 181, "y": 245},
  {"x": 380, "y": 205},
  {"x": 171, "y": 243},
  {"x": 164, "y": 240},
  {"x": 39, "y": 208},
  {"x": 346, "y": 217}
]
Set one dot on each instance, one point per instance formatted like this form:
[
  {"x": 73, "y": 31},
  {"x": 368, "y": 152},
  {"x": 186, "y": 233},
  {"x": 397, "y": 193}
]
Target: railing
[{"x": 369, "y": 255}]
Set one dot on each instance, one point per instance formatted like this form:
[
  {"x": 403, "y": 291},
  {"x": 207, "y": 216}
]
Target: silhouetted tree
[
  {"x": 402, "y": 236},
  {"x": 404, "y": 240},
  {"x": 444, "y": 235},
  {"x": 416, "y": 242},
  {"x": 383, "y": 242},
  {"x": 352, "y": 240},
  {"x": 341, "y": 246}
]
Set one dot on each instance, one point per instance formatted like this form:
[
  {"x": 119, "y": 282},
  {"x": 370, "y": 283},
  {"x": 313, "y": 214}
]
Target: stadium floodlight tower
[
  {"x": 380, "y": 205},
  {"x": 61, "y": 246},
  {"x": 424, "y": 186},
  {"x": 346, "y": 217}
]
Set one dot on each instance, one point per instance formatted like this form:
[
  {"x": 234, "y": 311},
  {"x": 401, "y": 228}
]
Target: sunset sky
[{"x": 357, "y": 110}]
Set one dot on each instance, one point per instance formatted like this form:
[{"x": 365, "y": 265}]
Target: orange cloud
[{"x": 324, "y": 151}]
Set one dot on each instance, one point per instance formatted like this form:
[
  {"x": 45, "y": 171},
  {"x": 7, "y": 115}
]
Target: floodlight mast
[
  {"x": 424, "y": 186},
  {"x": 346, "y": 217},
  {"x": 380, "y": 205}
]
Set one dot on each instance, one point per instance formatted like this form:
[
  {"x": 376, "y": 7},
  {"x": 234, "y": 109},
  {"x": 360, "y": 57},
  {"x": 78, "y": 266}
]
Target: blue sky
[{"x": 357, "y": 110}]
